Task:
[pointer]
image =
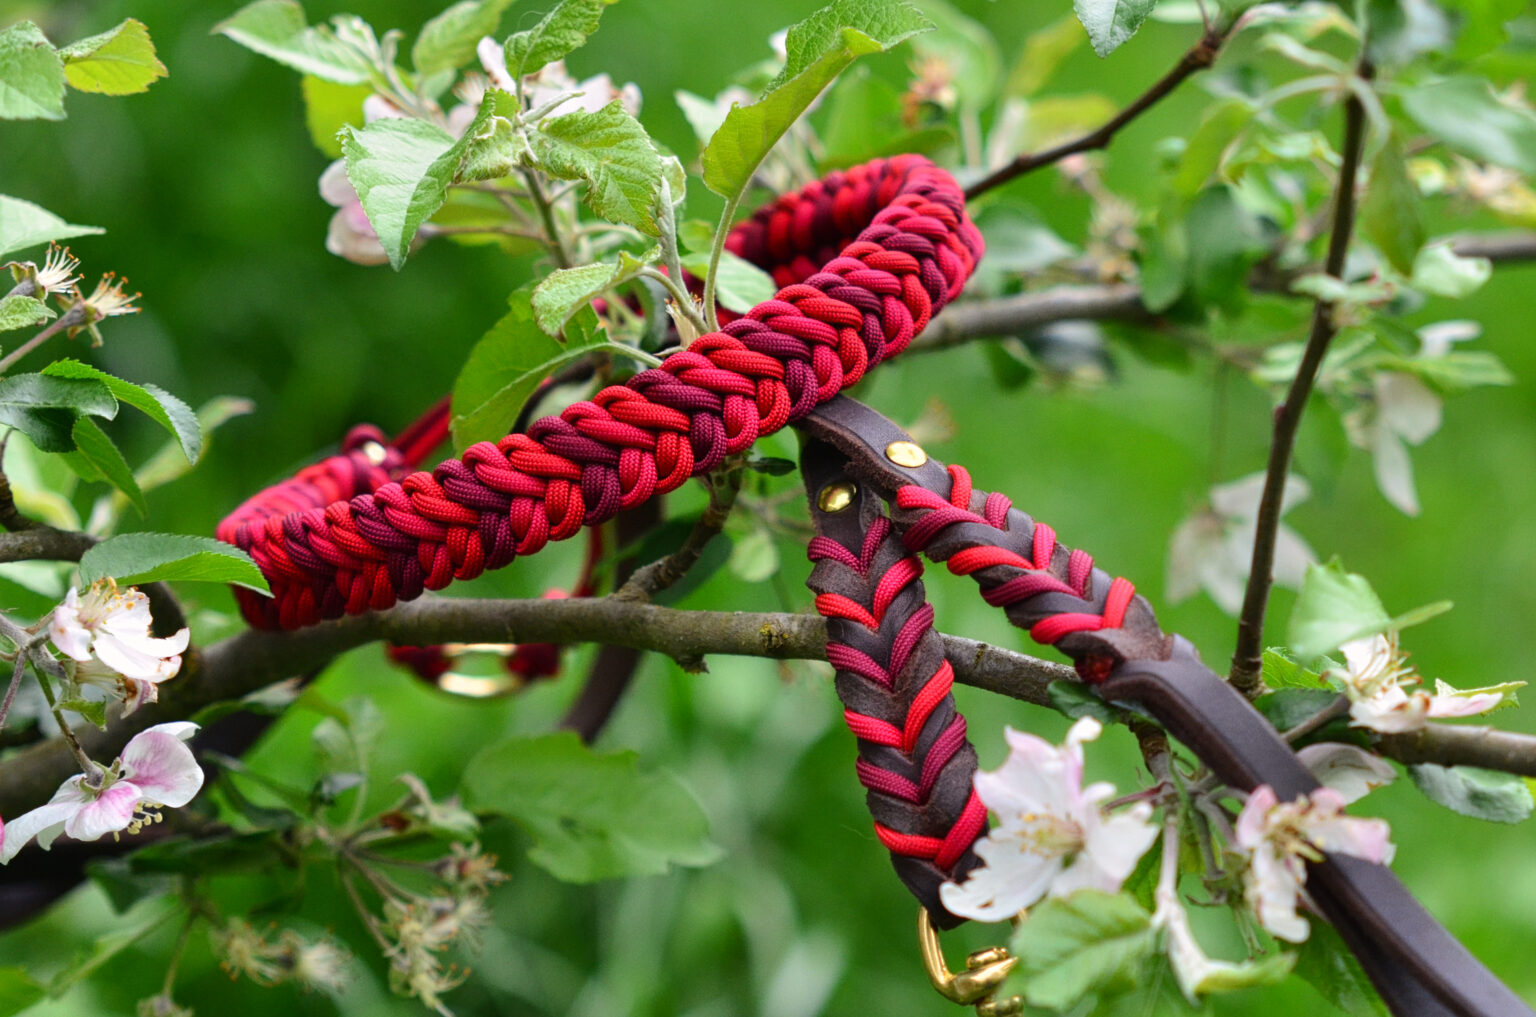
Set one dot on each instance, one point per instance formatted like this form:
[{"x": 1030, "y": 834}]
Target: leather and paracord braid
[
  {"x": 1115, "y": 642},
  {"x": 911, "y": 252},
  {"x": 894, "y": 682}
]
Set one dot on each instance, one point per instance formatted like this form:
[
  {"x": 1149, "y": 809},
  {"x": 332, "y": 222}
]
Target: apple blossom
[
  {"x": 1403, "y": 412},
  {"x": 1213, "y": 549},
  {"x": 155, "y": 771},
  {"x": 1382, "y": 694},
  {"x": 112, "y": 626},
  {"x": 1280, "y": 837},
  {"x": 1052, "y": 836}
]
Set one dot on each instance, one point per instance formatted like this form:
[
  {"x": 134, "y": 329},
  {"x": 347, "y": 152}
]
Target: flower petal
[
  {"x": 112, "y": 810},
  {"x": 43, "y": 822},
  {"x": 1252, "y": 820},
  {"x": 1011, "y": 879},
  {"x": 1463, "y": 706},
  {"x": 1394, "y": 471},
  {"x": 1347, "y": 769},
  {"x": 71, "y": 637},
  {"x": 163, "y": 767},
  {"x": 128, "y": 658}
]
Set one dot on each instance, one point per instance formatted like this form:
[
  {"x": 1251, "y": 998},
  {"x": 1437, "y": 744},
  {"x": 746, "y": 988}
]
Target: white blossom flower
[
  {"x": 1347, "y": 769},
  {"x": 1404, "y": 411},
  {"x": 1213, "y": 549},
  {"x": 155, "y": 771},
  {"x": 113, "y": 626},
  {"x": 350, "y": 234},
  {"x": 1382, "y": 693},
  {"x": 1052, "y": 836},
  {"x": 1281, "y": 837}
]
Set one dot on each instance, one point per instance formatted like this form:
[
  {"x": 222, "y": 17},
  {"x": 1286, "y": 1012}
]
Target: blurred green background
[{"x": 207, "y": 187}]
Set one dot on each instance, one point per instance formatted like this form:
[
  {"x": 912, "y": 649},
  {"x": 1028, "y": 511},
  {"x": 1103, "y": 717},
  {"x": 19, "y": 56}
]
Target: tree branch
[
  {"x": 1007, "y": 315},
  {"x": 1475, "y": 745},
  {"x": 1507, "y": 246},
  {"x": 1200, "y": 56},
  {"x": 1246, "y": 662}
]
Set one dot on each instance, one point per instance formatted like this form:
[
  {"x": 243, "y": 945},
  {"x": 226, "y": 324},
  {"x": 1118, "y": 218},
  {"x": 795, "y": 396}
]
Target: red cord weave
[
  {"x": 895, "y": 684},
  {"x": 912, "y": 252}
]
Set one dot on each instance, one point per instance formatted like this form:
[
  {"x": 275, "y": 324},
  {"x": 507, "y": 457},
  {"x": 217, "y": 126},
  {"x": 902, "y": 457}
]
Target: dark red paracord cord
[{"x": 913, "y": 249}]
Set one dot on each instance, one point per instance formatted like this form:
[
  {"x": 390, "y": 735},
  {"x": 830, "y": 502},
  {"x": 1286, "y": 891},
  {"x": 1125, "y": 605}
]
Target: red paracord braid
[
  {"x": 913, "y": 251},
  {"x": 895, "y": 684},
  {"x": 1052, "y": 591}
]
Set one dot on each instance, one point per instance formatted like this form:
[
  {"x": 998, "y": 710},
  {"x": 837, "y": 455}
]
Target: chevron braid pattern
[
  {"x": 895, "y": 683},
  {"x": 912, "y": 250},
  {"x": 1054, "y": 592}
]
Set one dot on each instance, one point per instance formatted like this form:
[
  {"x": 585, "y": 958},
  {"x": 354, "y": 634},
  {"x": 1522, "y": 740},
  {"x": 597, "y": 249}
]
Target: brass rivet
[
  {"x": 906, "y": 453},
  {"x": 836, "y": 496},
  {"x": 373, "y": 452}
]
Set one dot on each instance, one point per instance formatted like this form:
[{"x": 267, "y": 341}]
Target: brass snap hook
[{"x": 985, "y": 971}]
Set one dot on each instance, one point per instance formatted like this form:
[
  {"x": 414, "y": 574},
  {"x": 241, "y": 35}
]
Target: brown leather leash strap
[{"x": 853, "y": 457}]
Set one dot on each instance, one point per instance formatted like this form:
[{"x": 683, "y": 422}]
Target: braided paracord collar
[
  {"x": 904, "y": 248},
  {"x": 854, "y": 460}
]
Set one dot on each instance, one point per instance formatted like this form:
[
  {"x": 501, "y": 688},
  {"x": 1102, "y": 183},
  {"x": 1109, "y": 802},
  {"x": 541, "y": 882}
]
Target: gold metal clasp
[{"x": 985, "y": 971}]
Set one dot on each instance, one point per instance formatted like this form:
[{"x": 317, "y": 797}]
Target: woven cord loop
[{"x": 332, "y": 543}]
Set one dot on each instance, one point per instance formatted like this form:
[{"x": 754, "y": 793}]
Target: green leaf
[
  {"x": 448, "y": 41},
  {"x": 566, "y": 291},
  {"x": 23, "y": 225},
  {"x": 1459, "y": 370},
  {"x": 1043, "y": 54},
  {"x": 1398, "y": 31},
  {"x": 328, "y": 107},
  {"x": 592, "y": 816},
  {"x": 1508, "y": 690},
  {"x": 1281, "y": 672},
  {"x": 739, "y": 284},
  {"x": 1472, "y": 791},
  {"x": 278, "y": 29},
  {"x": 1111, "y": 22},
  {"x": 561, "y": 31},
  {"x": 506, "y": 366},
  {"x": 19, "y": 312},
  {"x": 1335, "y": 607},
  {"x": 87, "y": 961},
  {"x": 1088, "y": 942},
  {"x": 31, "y": 75},
  {"x": 120, "y": 61},
  {"x": 132, "y": 558},
  {"x": 18, "y": 990},
  {"x": 1464, "y": 113},
  {"x": 1285, "y": 708},
  {"x": 1389, "y": 216},
  {"x": 819, "y": 49},
  {"x": 613, "y": 154},
  {"x": 754, "y": 557},
  {"x": 1202, "y": 155},
  {"x": 93, "y": 710},
  {"x": 1326, "y": 964},
  {"x": 159, "y": 405},
  {"x": 44, "y": 408},
  {"x": 1441, "y": 271},
  {"x": 104, "y": 457},
  {"x": 1076, "y": 699},
  {"x": 401, "y": 169}
]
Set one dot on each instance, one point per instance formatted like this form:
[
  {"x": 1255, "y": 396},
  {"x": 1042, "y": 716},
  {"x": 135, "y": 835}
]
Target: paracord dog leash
[{"x": 853, "y": 459}]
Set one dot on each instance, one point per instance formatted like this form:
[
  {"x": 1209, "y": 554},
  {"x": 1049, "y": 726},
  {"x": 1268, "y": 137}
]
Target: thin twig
[
  {"x": 724, "y": 485},
  {"x": 547, "y": 215},
  {"x": 1200, "y": 56},
  {"x": 17, "y": 671},
  {"x": 1246, "y": 662},
  {"x": 1506, "y": 246},
  {"x": 1339, "y": 707},
  {"x": 72, "y": 318},
  {"x": 1010, "y": 315}
]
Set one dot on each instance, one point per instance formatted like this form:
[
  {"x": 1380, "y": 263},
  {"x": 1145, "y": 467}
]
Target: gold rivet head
[
  {"x": 373, "y": 452},
  {"x": 906, "y": 453},
  {"x": 836, "y": 496}
]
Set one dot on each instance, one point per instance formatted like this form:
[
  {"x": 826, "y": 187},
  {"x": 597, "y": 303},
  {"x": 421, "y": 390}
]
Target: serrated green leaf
[
  {"x": 31, "y": 75},
  {"x": 613, "y": 154},
  {"x": 1390, "y": 212},
  {"x": 44, "y": 408},
  {"x": 448, "y": 41},
  {"x": 19, "y": 312},
  {"x": 1441, "y": 271},
  {"x": 328, "y": 107},
  {"x": 1069, "y": 947},
  {"x": 818, "y": 50},
  {"x": 159, "y": 405},
  {"x": 1110, "y": 23},
  {"x": 562, "y": 30},
  {"x": 18, "y": 991},
  {"x": 278, "y": 29},
  {"x": 132, "y": 558},
  {"x": 23, "y": 225},
  {"x": 565, "y": 291},
  {"x": 1076, "y": 699},
  {"x": 1281, "y": 672},
  {"x": 1333, "y": 607},
  {"x": 1464, "y": 113},
  {"x": 1326, "y": 964},
  {"x": 94, "y": 446},
  {"x": 739, "y": 284},
  {"x": 1472, "y": 791},
  {"x": 93, "y": 710},
  {"x": 592, "y": 816},
  {"x": 120, "y": 61},
  {"x": 495, "y": 147}
]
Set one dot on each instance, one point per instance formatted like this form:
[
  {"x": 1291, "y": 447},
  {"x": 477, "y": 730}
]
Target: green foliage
[
  {"x": 1472, "y": 791},
  {"x": 120, "y": 61},
  {"x": 562, "y": 30},
  {"x": 23, "y": 225},
  {"x": 159, "y": 405},
  {"x": 567, "y": 290},
  {"x": 96, "y": 457},
  {"x": 1285, "y": 708},
  {"x": 819, "y": 49},
  {"x": 1389, "y": 215},
  {"x": 1090, "y": 942},
  {"x": 1076, "y": 699},
  {"x": 401, "y": 169},
  {"x": 1336, "y": 607},
  {"x": 18, "y": 991},
  {"x": 613, "y": 154},
  {"x": 1281, "y": 672},
  {"x": 1464, "y": 113},
  {"x": 169, "y": 557},
  {"x": 328, "y": 107},
  {"x": 740, "y": 284},
  {"x": 592, "y": 816},
  {"x": 448, "y": 40},
  {"x": 31, "y": 75},
  {"x": 279, "y": 30},
  {"x": 1328, "y": 966},
  {"x": 45, "y": 408},
  {"x": 1110, "y": 23},
  {"x": 19, "y": 312}
]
